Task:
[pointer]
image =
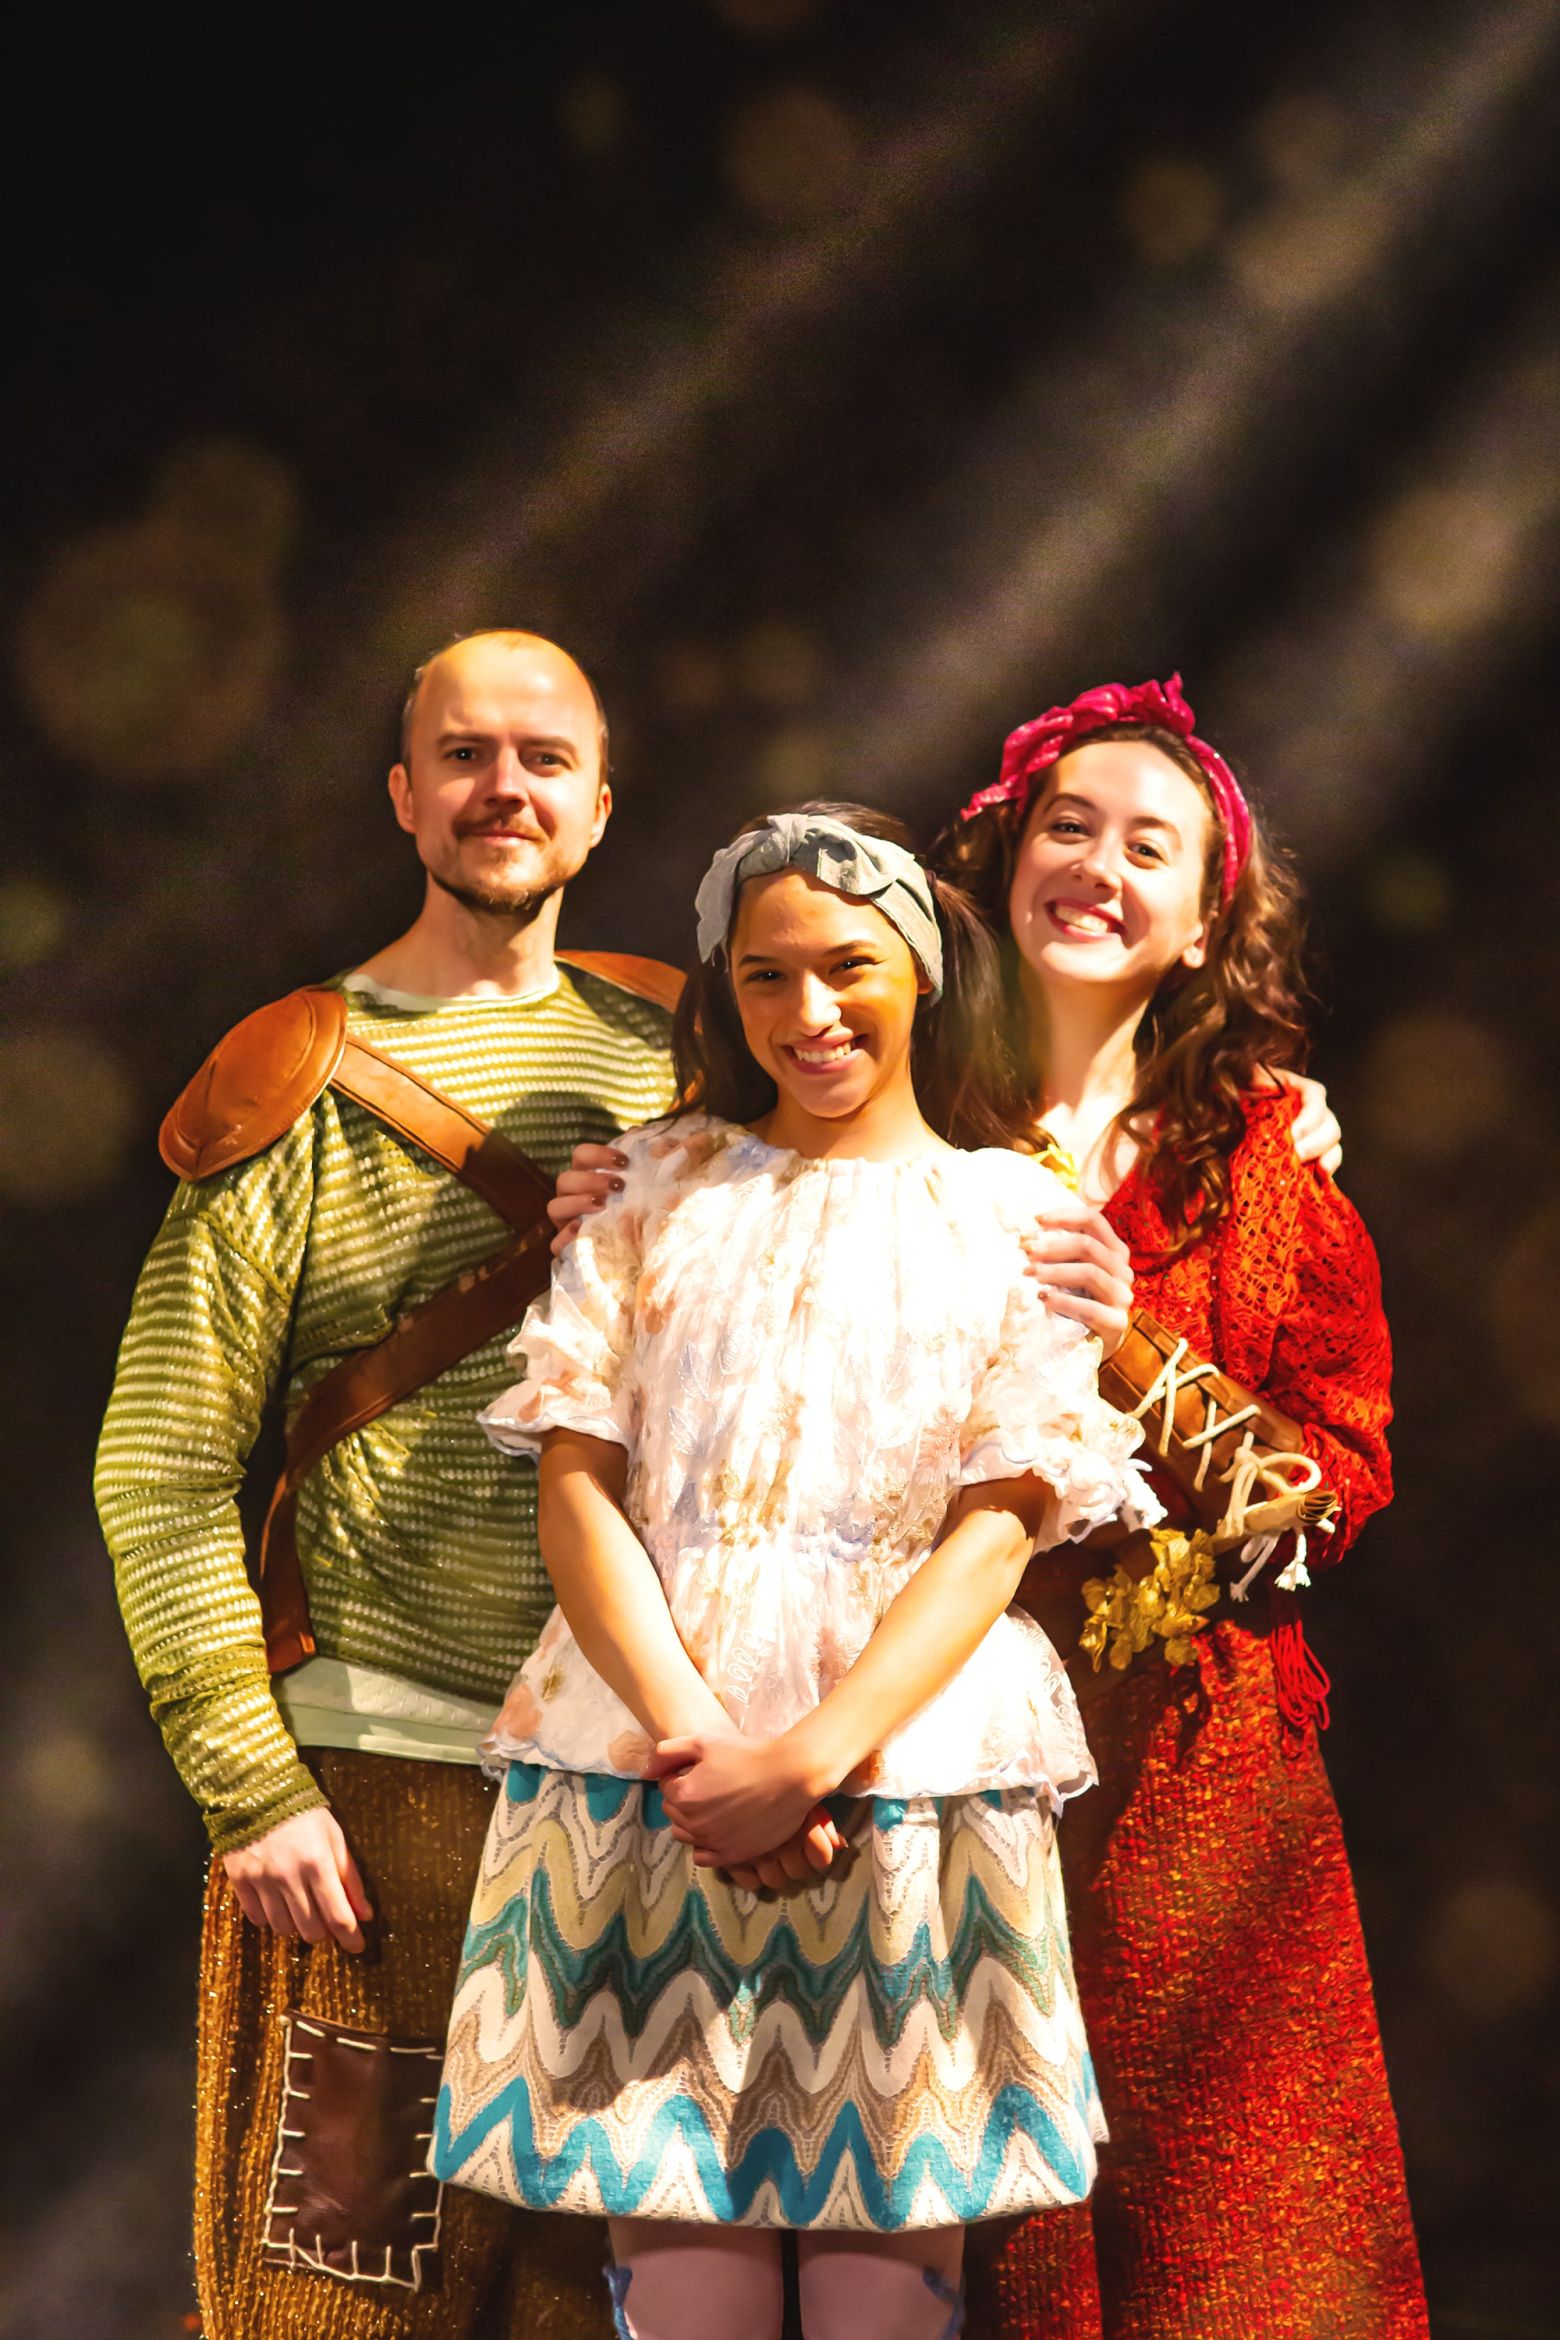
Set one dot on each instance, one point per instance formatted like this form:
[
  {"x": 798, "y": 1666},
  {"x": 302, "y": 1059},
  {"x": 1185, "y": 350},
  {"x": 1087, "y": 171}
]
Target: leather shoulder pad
[
  {"x": 650, "y": 979},
  {"x": 255, "y": 1083}
]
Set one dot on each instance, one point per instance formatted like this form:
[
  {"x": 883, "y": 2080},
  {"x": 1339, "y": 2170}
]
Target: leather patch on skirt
[{"x": 350, "y": 2193}]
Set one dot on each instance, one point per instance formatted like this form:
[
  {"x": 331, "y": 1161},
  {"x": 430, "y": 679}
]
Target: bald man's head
[
  {"x": 502, "y": 637},
  {"x": 502, "y": 778}
]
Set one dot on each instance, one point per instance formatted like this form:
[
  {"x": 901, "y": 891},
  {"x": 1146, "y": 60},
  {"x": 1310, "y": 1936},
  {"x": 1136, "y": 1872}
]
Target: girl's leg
[
  {"x": 677, "y": 2281},
  {"x": 881, "y": 2286}
]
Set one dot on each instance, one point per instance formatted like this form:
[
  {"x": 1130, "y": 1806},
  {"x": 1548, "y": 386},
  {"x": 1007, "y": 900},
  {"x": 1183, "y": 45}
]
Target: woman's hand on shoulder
[
  {"x": 1317, "y": 1134},
  {"x": 1083, "y": 1268},
  {"x": 594, "y": 1173}
]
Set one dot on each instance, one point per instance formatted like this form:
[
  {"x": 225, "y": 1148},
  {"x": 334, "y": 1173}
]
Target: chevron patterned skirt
[{"x": 896, "y": 2046}]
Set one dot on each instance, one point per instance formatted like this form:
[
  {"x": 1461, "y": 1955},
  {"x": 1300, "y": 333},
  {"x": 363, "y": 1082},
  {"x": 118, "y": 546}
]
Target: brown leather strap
[
  {"x": 359, "y": 1388},
  {"x": 508, "y": 1181},
  {"x": 650, "y": 979},
  {"x": 1209, "y": 1416},
  {"x": 451, "y": 1325},
  {"x": 425, "y": 1342}
]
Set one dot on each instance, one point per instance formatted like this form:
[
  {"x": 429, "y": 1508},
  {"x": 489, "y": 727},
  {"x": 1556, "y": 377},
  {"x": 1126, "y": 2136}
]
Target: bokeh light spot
[
  {"x": 1435, "y": 1082},
  {"x": 1170, "y": 210},
  {"x": 1492, "y": 1946},
  {"x": 792, "y": 157},
  {"x": 64, "y": 1776},
  {"x": 240, "y": 496},
  {"x": 1525, "y": 1314},
  {"x": 593, "y": 112},
  {"x": 1302, "y": 253},
  {"x": 692, "y": 678},
  {"x": 797, "y": 762},
  {"x": 66, "y": 1113},
  {"x": 1409, "y": 893},
  {"x": 1300, "y": 140},
  {"x": 33, "y": 919},
  {"x": 779, "y": 664},
  {"x": 1441, "y": 560},
  {"x": 145, "y": 652}
]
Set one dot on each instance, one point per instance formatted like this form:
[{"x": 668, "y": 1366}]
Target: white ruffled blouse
[{"x": 805, "y": 1360}]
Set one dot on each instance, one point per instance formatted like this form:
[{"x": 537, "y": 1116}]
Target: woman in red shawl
[{"x": 1253, "y": 2185}]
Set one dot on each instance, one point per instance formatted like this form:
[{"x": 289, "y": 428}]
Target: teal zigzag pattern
[{"x": 897, "y": 2045}]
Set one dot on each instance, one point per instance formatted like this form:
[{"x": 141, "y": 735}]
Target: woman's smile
[{"x": 1083, "y": 921}]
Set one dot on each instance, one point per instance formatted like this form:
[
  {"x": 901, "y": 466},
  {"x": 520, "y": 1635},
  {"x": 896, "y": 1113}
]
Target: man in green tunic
[{"x": 342, "y": 1798}]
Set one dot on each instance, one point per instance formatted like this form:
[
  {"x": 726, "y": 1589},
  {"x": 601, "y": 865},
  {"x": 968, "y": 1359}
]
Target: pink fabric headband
[{"x": 1034, "y": 747}]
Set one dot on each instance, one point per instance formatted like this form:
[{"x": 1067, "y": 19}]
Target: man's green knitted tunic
[{"x": 418, "y": 1540}]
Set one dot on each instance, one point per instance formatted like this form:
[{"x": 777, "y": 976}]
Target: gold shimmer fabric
[
  {"x": 418, "y": 1541},
  {"x": 416, "y": 1830}
]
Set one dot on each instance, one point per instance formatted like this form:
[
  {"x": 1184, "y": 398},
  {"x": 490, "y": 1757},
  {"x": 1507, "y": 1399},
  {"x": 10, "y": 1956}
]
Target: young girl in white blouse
[{"x": 769, "y": 1931}]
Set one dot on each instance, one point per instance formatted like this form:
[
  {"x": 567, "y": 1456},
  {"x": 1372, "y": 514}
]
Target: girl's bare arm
[
  {"x": 735, "y": 1798},
  {"x": 609, "y": 1591}
]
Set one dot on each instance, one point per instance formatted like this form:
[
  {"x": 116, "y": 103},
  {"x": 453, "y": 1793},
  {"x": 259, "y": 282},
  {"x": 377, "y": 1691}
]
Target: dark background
[{"x": 844, "y": 380}]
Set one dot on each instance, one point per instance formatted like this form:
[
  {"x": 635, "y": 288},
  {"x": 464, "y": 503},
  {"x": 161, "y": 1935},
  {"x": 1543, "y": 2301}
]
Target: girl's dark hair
[
  {"x": 968, "y": 1083},
  {"x": 1210, "y": 1032}
]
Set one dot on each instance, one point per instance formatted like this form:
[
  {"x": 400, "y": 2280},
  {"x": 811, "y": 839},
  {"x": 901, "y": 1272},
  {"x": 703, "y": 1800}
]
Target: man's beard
[{"x": 519, "y": 903}]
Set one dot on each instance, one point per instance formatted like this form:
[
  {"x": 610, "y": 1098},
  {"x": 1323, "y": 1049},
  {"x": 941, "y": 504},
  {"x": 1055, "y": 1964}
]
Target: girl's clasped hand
[{"x": 740, "y": 1804}]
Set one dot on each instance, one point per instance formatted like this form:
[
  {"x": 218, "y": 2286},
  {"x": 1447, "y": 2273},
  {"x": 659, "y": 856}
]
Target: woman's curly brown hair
[
  {"x": 1211, "y": 1033},
  {"x": 968, "y": 1081}
]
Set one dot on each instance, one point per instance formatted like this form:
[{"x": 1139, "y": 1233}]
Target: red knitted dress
[{"x": 1253, "y": 2186}]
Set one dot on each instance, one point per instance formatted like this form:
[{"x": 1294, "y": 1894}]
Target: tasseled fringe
[{"x": 1300, "y": 1680}]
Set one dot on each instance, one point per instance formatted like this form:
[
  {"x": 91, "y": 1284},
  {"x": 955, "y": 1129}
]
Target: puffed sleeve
[
  {"x": 1036, "y": 1409},
  {"x": 575, "y": 1344},
  {"x": 1331, "y": 1367}
]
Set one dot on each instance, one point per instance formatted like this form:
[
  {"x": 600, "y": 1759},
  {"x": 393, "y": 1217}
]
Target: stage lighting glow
[
  {"x": 1436, "y": 1083},
  {"x": 33, "y": 919},
  {"x": 1408, "y": 893},
  {"x": 1170, "y": 210},
  {"x": 593, "y": 112},
  {"x": 1525, "y": 1315},
  {"x": 146, "y": 651},
  {"x": 238, "y": 495},
  {"x": 66, "y": 1113},
  {"x": 779, "y": 664},
  {"x": 766, "y": 19},
  {"x": 1300, "y": 140},
  {"x": 798, "y": 761},
  {"x": 1302, "y": 253},
  {"x": 1442, "y": 558},
  {"x": 65, "y": 1776},
  {"x": 1026, "y": 569},
  {"x": 792, "y": 157},
  {"x": 1493, "y": 1947},
  {"x": 691, "y": 678}
]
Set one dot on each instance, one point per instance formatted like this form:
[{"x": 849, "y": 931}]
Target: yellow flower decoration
[{"x": 1167, "y": 1603}]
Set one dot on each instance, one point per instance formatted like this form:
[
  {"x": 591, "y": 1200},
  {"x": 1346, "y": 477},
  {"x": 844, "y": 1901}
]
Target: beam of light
[
  {"x": 1336, "y": 706},
  {"x": 727, "y": 341},
  {"x": 511, "y": 511},
  {"x": 1008, "y": 600}
]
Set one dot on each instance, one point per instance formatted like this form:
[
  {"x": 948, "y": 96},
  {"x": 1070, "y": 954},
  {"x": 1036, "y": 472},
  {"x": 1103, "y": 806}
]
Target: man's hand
[
  {"x": 1083, "y": 1268},
  {"x": 734, "y": 1800},
  {"x": 1317, "y": 1135},
  {"x": 299, "y": 1878},
  {"x": 583, "y": 1188}
]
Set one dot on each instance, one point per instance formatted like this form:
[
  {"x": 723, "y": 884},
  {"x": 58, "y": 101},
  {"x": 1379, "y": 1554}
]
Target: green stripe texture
[{"x": 418, "y": 1540}]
